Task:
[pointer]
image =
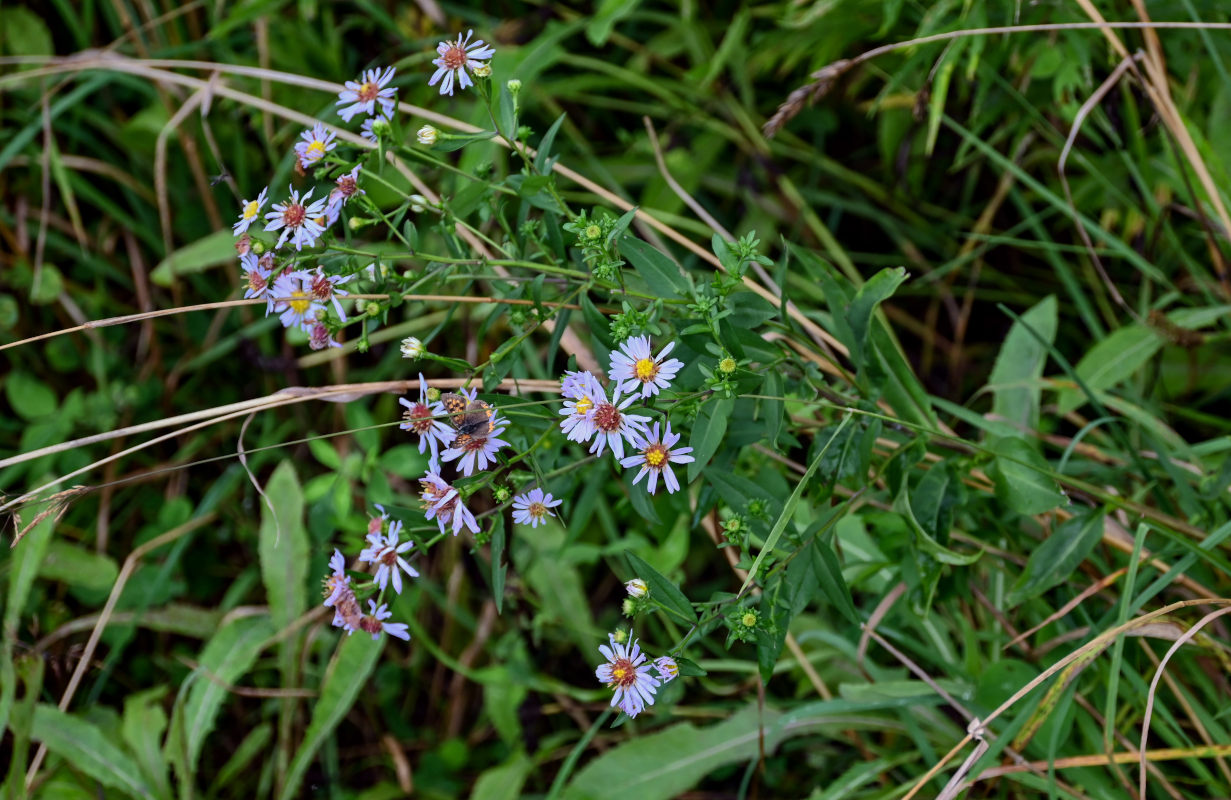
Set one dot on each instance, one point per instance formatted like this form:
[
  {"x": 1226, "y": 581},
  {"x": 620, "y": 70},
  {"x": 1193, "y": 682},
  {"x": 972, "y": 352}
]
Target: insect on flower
[{"x": 478, "y": 430}]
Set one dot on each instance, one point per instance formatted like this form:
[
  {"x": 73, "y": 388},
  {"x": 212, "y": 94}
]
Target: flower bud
[
  {"x": 412, "y": 348},
  {"x": 514, "y": 86},
  {"x": 482, "y": 71},
  {"x": 637, "y": 588},
  {"x": 427, "y": 135}
]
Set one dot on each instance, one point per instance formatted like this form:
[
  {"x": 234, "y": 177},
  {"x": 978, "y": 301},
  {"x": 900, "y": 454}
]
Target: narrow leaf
[
  {"x": 1021, "y": 477},
  {"x": 88, "y": 749},
  {"x": 663, "y": 590},
  {"x": 707, "y": 432},
  {"x": 1059, "y": 556},
  {"x": 660, "y": 273}
]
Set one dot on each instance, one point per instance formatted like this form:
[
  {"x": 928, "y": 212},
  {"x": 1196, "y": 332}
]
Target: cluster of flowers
[{"x": 385, "y": 551}]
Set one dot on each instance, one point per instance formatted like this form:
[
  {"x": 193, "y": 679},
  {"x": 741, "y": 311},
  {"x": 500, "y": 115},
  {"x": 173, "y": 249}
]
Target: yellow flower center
[
  {"x": 622, "y": 672},
  {"x": 320, "y": 221},
  {"x": 593, "y": 232},
  {"x": 300, "y": 302},
  {"x": 749, "y": 620},
  {"x": 315, "y": 150},
  {"x": 250, "y": 210},
  {"x": 656, "y": 456},
  {"x": 537, "y": 510},
  {"x": 645, "y": 369},
  {"x": 583, "y": 406}
]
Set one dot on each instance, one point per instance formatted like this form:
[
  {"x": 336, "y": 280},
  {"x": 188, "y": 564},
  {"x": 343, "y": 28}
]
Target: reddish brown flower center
[
  {"x": 537, "y": 510},
  {"x": 370, "y": 625},
  {"x": 257, "y": 281},
  {"x": 368, "y": 92},
  {"x": 454, "y": 57},
  {"x": 389, "y": 557},
  {"x": 294, "y": 215},
  {"x": 420, "y": 418},
  {"x": 607, "y": 418},
  {"x": 347, "y": 185},
  {"x": 266, "y": 261},
  {"x": 322, "y": 289},
  {"x": 623, "y": 673}
]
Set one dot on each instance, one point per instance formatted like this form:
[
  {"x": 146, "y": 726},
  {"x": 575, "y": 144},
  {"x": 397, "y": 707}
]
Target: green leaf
[
  {"x": 499, "y": 568},
  {"x": 707, "y": 432},
  {"x": 80, "y": 569},
  {"x": 1020, "y": 474},
  {"x": 1014, "y": 381},
  {"x": 503, "y": 782},
  {"x": 828, "y": 572},
  {"x": 544, "y": 160},
  {"x": 662, "y": 590},
  {"x": 224, "y": 659},
  {"x": 457, "y": 141},
  {"x": 1059, "y": 555},
  {"x": 30, "y": 398},
  {"x": 347, "y": 674},
  {"x": 772, "y": 408},
  {"x": 879, "y": 288},
  {"x": 1111, "y": 361},
  {"x": 661, "y": 274},
  {"x": 669, "y": 762},
  {"x": 283, "y": 546},
  {"x": 88, "y": 749},
  {"x": 605, "y": 17},
  {"x": 143, "y": 725},
  {"x": 214, "y": 250}
]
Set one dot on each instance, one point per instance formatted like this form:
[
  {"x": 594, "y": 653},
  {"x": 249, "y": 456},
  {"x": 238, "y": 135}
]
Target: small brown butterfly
[{"x": 472, "y": 419}]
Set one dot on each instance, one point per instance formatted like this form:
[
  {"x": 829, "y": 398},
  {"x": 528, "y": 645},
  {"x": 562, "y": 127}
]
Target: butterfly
[{"x": 472, "y": 419}]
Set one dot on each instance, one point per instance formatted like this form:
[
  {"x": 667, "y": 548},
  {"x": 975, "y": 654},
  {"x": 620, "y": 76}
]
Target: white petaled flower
[
  {"x": 635, "y": 367},
  {"x": 339, "y": 596},
  {"x": 325, "y": 289},
  {"x": 297, "y": 219},
  {"x": 366, "y": 93},
  {"x": 314, "y": 145},
  {"x": 250, "y": 212},
  {"x": 637, "y": 588},
  {"x": 427, "y": 135},
  {"x": 374, "y": 622},
  {"x": 441, "y": 502},
  {"x": 667, "y": 668},
  {"x": 456, "y": 58},
  {"x": 386, "y": 553},
  {"x": 292, "y": 295},
  {"x": 627, "y": 673},
  {"x": 339, "y": 581},
  {"x": 412, "y": 347},
  {"x": 583, "y": 393},
  {"x": 374, "y": 127},
  {"x": 656, "y": 457},
  {"x": 422, "y": 418},
  {"x": 534, "y": 507},
  {"x": 612, "y": 425},
  {"x": 256, "y": 278}
]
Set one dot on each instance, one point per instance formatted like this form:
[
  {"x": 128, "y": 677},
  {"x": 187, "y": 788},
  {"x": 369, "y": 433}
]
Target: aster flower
[
  {"x": 441, "y": 502},
  {"x": 374, "y": 622},
  {"x": 319, "y": 337},
  {"x": 667, "y": 668},
  {"x": 314, "y": 145},
  {"x": 637, "y": 588},
  {"x": 609, "y": 421},
  {"x": 296, "y": 218},
  {"x": 634, "y": 367},
  {"x": 422, "y": 418},
  {"x": 534, "y": 507},
  {"x": 456, "y": 58},
  {"x": 345, "y": 187},
  {"x": 583, "y": 393},
  {"x": 412, "y": 347},
  {"x": 372, "y": 127},
  {"x": 656, "y": 457},
  {"x": 427, "y": 135},
  {"x": 627, "y": 673},
  {"x": 479, "y": 447},
  {"x": 257, "y": 279},
  {"x": 339, "y": 596},
  {"x": 249, "y": 212},
  {"x": 386, "y": 553},
  {"x": 292, "y": 294},
  {"x": 325, "y": 289},
  {"x": 365, "y": 93}
]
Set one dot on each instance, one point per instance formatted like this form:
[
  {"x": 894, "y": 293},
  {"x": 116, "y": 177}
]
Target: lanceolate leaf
[
  {"x": 1059, "y": 556},
  {"x": 88, "y": 749},
  {"x": 662, "y": 590}
]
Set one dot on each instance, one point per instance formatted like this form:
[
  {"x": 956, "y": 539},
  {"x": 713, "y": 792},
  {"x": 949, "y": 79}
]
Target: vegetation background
[{"x": 996, "y": 497}]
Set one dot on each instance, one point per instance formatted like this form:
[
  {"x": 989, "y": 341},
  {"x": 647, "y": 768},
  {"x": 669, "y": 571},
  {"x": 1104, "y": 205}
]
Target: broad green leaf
[
  {"x": 662, "y": 590},
  {"x": 347, "y": 674},
  {"x": 707, "y": 432},
  {"x": 30, "y": 398},
  {"x": 216, "y": 249},
  {"x": 1058, "y": 556},
  {"x": 79, "y": 568},
  {"x": 283, "y": 546},
  {"x": 143, "y": 725},
  {"x": 660, "y": 273},
  {"x": 88, "y": 749},
  {"x": 666, "y": 763},
  {"x": 880, "y": 287},
  {"x": 1020, "y": 476},
  {"x": 503, "y": 782},
  {"x": 828, "y": 572},
  {"x": 224, "y": 659},
  {"x": 1014, "y": 381},
  {"x": 24, "y": 563},
  {"x": 1111, "y": 361}
]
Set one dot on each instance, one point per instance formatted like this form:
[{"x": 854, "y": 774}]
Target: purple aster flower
[
  {"x": 373, "y": 126},
  {"x": 441, "y": 502},
  {"x": 325, "y": 289},
  {"x": 667, "y": 668},
  {"x": 292, "y": 294},
  {"x": 257, "y": 279},
  {"x": 634, "y": 367},
  {"x": 297, "y": 219},
  {"x": 314, "y": 145},
  {"x": 456, "y": 58},
  {"x": 584, "y": 393},
  {"x": 319, "y": 337},
  {"x": 340, "y": 597},
  {"x": 534, "y": 507},
  {"x": 386, "y": 553},
  {"x": 656, "y": 457},
  {"x": 609, "y": 420},
  {"x": 345, "y": 187},
  {"x": 374, "y": 622},
  {"x": 365, "y": 93},
  {"x": 422, "y": 418},
  {"x": 627, "y": 673},
  {"x": 249, "y": 213}
]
